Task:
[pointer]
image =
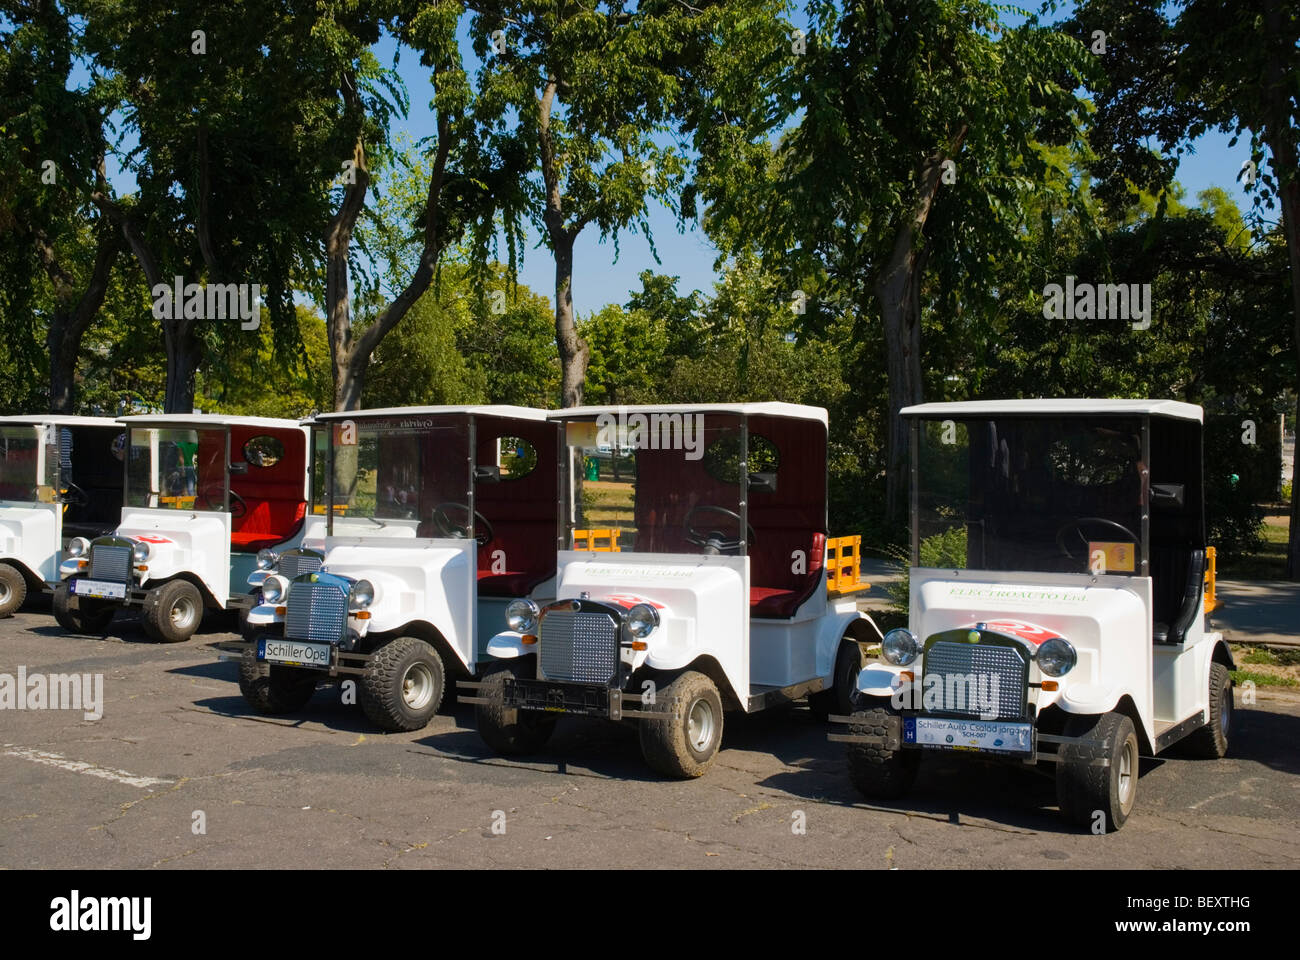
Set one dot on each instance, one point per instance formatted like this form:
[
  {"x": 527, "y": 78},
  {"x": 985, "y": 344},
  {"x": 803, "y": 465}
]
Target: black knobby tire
[
  {"x": 402, "y": 687},
  {"x": 174, "y": 612},
  {"x": 838, "y": 698},
  {"x": 249, "y": 631},
  {"x": 509, "y": 731},
  {"x": 684, "y": 744},
  {"x": 271, "y": 688},
  {"x": 877, "y": 772},
  {"x": 13, "y": 589},
  {"x": 1210, "y": 742},
  {"x": 1091, "y": 795},
  {"x": 81, "y": 614}
]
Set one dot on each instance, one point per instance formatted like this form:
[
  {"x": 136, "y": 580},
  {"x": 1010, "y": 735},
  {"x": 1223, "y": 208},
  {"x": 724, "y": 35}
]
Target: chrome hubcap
[
  {"x": 1127, "y": 774},
  {"x": 699, "y": 725},
  {"x": 417, "y": 686},
  {"x": 4, "y": 592},
  {"x": 1225, "y": 711},
  {"x": 182, "y": 614}
]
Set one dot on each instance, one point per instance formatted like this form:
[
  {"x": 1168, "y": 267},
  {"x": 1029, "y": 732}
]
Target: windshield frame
[
  {"x": 1143, "y": 557},
  {"x": 162, "y": 426},
  {"x": 46, "y": 463},
  {"x": 566, "y": 507}
]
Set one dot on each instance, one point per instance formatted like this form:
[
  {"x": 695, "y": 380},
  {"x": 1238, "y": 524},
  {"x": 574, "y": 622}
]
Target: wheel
[
  {"x": 402, "y": 686},
  {"x": 81, "y": 614},
  {"x": 1083, "y": 789},
  {"x": 685, "y": 743},
  {"x": 174, "y": 612},
  {"x": 878, "y": 773},
  {"x": 1210, "y": 742},
  {"x": 13, "y": 589},
  {"x": 271, "y": 688},
  {"x": 837, "y": 699},
  {"x": 507, "y": 730}
]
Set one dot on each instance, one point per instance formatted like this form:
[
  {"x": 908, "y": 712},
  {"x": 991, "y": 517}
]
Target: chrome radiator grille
[
  {"x": 978, "y": 680},
  {"x": 315, "y": 611},
  {"x": 292, "y": 564},
  {"x": 580, "y": 647},
  {"x": 110, "y": 563}
]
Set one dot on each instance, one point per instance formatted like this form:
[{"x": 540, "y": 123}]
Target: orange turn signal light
[
  {"x": 1051, "y": 685},
  {"x": 142, "y": 567},
  {"x": 362, "y": 614},
  {"x": 527, "y": 639},
  {"x": 638, "y": 645},
  {"x": 907, "y": 675},
  {"x": 281, "y": 610}
]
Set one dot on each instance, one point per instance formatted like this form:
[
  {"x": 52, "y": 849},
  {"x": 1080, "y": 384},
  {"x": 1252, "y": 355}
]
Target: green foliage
[{"x": 946, "y": 550}]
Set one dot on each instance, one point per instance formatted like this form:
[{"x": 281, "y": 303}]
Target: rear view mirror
[
  {"x": 762, "y": 482},
  {"x": 487, "y": 474},
  {"x": 1167, "y": 496}
]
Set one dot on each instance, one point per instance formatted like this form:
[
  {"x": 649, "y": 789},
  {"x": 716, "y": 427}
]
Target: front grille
[
  {"x": 581, "y": 647},
  {"x": 110, "y": 563},
  {"x": 977, "y": 680},
  {"x": 315, "y": 611},
  {"x": 292, "y": 564}
]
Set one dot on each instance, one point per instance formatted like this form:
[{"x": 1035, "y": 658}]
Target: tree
[
  {"x": 588, "y": 95},
  {"x": 52, "y": 139},
  {"x": 919, "y": 140},
  {"x": 1174, "y": 71}
]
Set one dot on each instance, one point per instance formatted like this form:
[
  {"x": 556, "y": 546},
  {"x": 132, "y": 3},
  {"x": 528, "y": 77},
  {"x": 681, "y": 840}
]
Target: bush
[{"x": 943, "y": 550}]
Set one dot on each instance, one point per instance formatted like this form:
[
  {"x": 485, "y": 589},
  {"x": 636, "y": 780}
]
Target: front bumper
[
  {"x": 578, "y": 699},
  {"x": 995, "y": 739},
  {"x": 341, "y": 663}
]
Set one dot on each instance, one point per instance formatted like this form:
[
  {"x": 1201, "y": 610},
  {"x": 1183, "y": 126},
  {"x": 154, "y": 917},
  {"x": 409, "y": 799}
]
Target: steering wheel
[
  {"x": 449, "y": 528},
  {"x": 1077, "y": 527},
  {"x": 79, "y": 497},
  {"x": 714, "y": 542},
  {"x": 238, "y": 507}
]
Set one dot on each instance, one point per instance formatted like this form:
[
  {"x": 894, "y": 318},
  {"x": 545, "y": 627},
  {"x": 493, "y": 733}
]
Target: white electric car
[
  {"x": 204, "y": 493},
  {"x": 427, "y": 522},
  {"x": 1057, "y": 601},
  {"x": 60, "y": 479},
  {"x": 691, "y": 579}
]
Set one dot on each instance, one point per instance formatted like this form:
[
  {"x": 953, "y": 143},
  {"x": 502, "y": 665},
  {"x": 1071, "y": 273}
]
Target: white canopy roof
[
  {"x": 484, "y": 410},
  {"x": 993, "y": 408},
  {"x": 796, "y": 411},
  {"x": 58, "y": 420},
  {"x": 200, "y": 420}
]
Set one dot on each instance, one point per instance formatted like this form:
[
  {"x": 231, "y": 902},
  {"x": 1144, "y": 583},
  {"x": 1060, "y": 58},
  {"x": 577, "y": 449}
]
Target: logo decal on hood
[{"x": 1029, "y": 632}]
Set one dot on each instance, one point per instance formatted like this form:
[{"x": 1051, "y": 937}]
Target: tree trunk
[
  {"x": 573, "y": 349},
  {"x": 898, "y": 294},
  {"x": 1290, "y": 196}
]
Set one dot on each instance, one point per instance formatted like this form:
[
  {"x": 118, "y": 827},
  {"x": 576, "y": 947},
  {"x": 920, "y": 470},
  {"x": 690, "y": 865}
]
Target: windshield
[
  {"x": 654, "y": 483},
  {"x": 27, "y": 473},
  {"x": 177, "y": 469},
  {"x": 1037, "y": 494},
  {"x": 408, "y": 473}
]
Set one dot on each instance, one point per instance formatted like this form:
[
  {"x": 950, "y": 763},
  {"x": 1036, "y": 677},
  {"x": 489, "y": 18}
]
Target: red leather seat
[{"x": 776, "y": 592}]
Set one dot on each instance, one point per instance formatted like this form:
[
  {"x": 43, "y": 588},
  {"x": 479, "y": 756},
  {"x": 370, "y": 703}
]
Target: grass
[
  {"x": 1264, "y": 679},
  {"x": 1269, "y": 562}
]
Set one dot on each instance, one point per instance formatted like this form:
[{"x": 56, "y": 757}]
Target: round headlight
[
  {"x": 272, "y": 589},
  {"x": 363, "y": 594},
  {"x": 900, "y": 647},
  {"x": 140, "y": 551},
  {"x": 78, "y": 547},
  {"x": 266, "y": 559},
  {"x": 642, "y": 620},
  {"x": 1056, "y": 657},
  {"x": 521, "y": 616}
]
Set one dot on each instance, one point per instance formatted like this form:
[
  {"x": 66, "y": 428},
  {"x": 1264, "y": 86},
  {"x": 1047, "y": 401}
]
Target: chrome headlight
[
  {"x": 642, "y": 620},
  {"x": 362, "y": 595},
  {"x": 521, "y": 616},
  {"x": 140, "y": 551},
  {"x": 273, "y": 589},
  {"x": 78, "y": 547},
  {"x": 1057, "y": 657},
  {"x": 266, "y": 559},
  {"x": 900, "y": 647}
]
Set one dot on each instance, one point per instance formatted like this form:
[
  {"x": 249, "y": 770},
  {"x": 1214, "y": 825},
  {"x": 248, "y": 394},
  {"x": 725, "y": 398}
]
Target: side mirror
[
  {"x": 486, "y": 474},
  {"x": 762, "y": 482},
  {"x": 238, "y": 467},
  {"x": 1167, "y": 496}
]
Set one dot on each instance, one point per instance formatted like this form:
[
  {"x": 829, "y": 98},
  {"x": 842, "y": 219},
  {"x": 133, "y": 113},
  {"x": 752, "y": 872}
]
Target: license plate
[
  {"x": 102, "y": 589},
  {"x": 985, "y": 735},
  {"x": 297, "y": 653}
]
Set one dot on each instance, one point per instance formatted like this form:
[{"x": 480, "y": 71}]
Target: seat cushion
[{"x": 772, "y": 602}]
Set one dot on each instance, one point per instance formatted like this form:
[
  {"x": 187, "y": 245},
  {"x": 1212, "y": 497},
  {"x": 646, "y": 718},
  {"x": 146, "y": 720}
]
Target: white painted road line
[{"x": 81, "y": 766}]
